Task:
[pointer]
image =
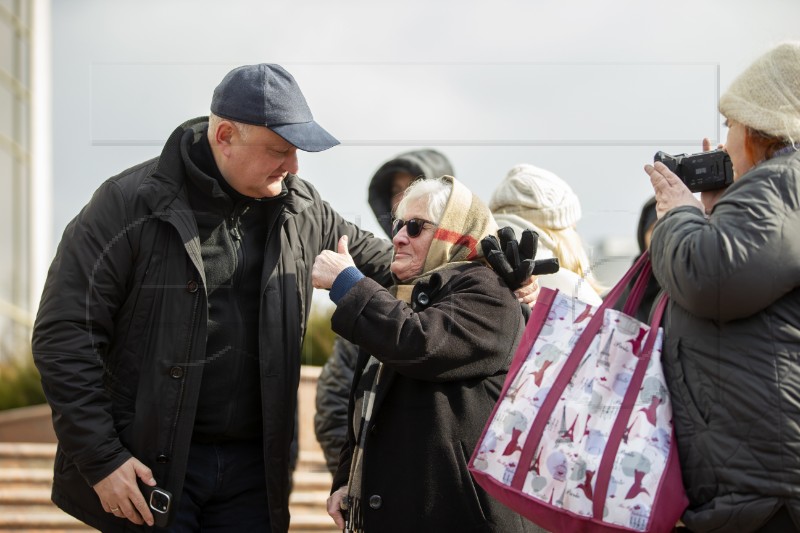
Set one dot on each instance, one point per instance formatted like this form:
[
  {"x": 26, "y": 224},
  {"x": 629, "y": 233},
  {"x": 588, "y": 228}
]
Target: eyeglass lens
[{"x": 413, "y": 226}]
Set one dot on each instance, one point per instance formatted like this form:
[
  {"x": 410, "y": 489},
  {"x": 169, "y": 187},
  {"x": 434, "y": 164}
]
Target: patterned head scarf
[{"x": 465, "y": 221}]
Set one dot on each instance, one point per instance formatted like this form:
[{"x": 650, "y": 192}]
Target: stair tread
[
  {"x": 27, "y": 490},
  {"x": 309, "y": 475},
  {"x": 34, "y": 475},
  {"x": 312, "y": 518},
  {"x": 45, "y": 518},
  {"x": 27, "y": 449}
]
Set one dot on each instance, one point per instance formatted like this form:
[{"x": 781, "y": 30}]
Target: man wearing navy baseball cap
[
  {"x": 267, "y": 95},
  {"x": 169, "y": 332}
]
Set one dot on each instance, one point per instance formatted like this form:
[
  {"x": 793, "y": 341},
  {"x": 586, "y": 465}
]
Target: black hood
[{"x": 424, "y": 163}]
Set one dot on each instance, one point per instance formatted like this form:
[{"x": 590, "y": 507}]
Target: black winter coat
[
  {"x": 446, "y": 356},
  {"x": 121, "y": 331},
  {"x": 333, "y": 387}
]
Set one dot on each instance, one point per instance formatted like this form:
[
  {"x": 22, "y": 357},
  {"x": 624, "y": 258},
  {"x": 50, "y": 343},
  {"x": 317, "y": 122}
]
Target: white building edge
[{"x": 25, "y": 167}]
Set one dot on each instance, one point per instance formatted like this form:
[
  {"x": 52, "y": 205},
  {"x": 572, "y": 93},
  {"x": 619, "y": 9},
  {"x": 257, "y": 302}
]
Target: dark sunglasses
[{"x": 414, "y": 226}]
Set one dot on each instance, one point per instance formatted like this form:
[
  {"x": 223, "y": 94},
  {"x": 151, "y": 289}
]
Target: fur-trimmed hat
[
  {"x": 538, "y": 196},
  {"x": 766, "y": 96}
]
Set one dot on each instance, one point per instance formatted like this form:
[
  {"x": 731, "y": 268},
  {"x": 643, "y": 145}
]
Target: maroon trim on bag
[
  {"x": 628, "y": 403},
  {"x": 637, "y": 292},
  {"x": 541, "y": 308},
  {"x": 614, "y": 294}
]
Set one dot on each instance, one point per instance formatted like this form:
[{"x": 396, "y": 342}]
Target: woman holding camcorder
[{"x": 730, "y": 264}]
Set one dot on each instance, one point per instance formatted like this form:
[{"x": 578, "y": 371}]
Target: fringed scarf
[{"x": 465, "y": 221}]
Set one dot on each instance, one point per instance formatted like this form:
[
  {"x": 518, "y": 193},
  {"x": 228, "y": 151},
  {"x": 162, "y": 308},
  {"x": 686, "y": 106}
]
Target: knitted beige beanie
[
  {"x": 538, "y": 196},
  {"x": 766, "y": 96}
]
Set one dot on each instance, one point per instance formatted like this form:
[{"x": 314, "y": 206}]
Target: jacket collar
[
  {"x": 165, "y": 189},
  {"x": 164, "y": 192}
]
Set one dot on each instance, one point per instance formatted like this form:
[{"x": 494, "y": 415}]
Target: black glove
[{"x": 513, "y": 260}]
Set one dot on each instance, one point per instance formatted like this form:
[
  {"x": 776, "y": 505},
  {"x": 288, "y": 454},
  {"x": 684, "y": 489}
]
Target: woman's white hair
[{"x": 435, "y": 192}]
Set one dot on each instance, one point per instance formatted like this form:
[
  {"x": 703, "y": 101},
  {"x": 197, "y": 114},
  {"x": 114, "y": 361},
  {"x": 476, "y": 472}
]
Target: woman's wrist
[{"x": 344, "y": 282}]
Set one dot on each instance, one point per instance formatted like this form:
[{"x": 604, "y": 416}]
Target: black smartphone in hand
[{"x": 159, "y": 501}]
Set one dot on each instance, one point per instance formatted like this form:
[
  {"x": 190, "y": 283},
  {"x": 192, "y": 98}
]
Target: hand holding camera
[
  {"x": 709, "y": 172},
  {"x": 670, "y": 190},
  {"x": 705, "y": 171}
]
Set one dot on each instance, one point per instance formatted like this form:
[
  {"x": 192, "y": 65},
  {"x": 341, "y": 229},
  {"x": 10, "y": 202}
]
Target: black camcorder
[{"x": 705, "y": 171}]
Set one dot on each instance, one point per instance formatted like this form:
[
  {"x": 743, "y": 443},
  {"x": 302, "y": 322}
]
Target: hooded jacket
[
  {"x": 732, "y": 347},
  {"x": 121, "y": 331},
  {"x": 426, "y": 164},
  {"x": 333, "y": 387}
]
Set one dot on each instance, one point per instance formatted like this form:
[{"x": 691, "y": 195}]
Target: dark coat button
[
  {"x": 192, "y": 286},
  {"x": 161, "y": 459},
  {"x": 176, "y": 372},
  {"x": 375, "y": 501},
  {"x": 423, "y": 299}
]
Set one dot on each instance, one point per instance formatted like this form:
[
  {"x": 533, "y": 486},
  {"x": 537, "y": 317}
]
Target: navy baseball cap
[{"x": 267, "y": 95}]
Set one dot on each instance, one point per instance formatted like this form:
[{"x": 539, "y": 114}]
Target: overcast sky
[{"x": 587, "y": 89}]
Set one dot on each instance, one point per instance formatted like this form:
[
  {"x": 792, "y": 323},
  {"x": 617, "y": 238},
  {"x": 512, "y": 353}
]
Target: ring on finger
[{"x": 114, "y": 509}]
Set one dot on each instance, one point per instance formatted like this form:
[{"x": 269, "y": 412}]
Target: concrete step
[
  {"x": 308, "y": 523},
  {"x": 304, "y": 498},
  {"x": 27, "y": 454},
  {"x": 311, "y": 461},
  {"x": 24, "y": 495},
  {"x": 312, "y": 481},
  {"x": 31, "y": 477},
  {"x": 27, "y": 520}
]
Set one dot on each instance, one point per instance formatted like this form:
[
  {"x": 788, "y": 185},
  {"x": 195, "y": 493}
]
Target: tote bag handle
[{"x": 639, "y": 287}]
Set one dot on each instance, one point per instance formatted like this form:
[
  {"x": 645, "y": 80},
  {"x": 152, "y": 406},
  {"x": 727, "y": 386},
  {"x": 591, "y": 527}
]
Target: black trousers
[{"x": 224, "y": 490}]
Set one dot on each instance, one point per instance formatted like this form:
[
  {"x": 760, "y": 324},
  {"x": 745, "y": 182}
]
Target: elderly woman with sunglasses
[{"x": 435, "y": 350}]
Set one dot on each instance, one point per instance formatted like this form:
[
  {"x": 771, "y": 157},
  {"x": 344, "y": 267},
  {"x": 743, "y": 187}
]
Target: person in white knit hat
[
  {"x": 731, "y": 267},
  {"x": 536, "y": 199}
]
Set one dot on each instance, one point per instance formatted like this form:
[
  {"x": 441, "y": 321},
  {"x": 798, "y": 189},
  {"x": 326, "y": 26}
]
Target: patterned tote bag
[{"x": 581, "y": 438}]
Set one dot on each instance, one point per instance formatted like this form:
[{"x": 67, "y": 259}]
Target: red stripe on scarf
[{"x": 458, "y": 239}]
